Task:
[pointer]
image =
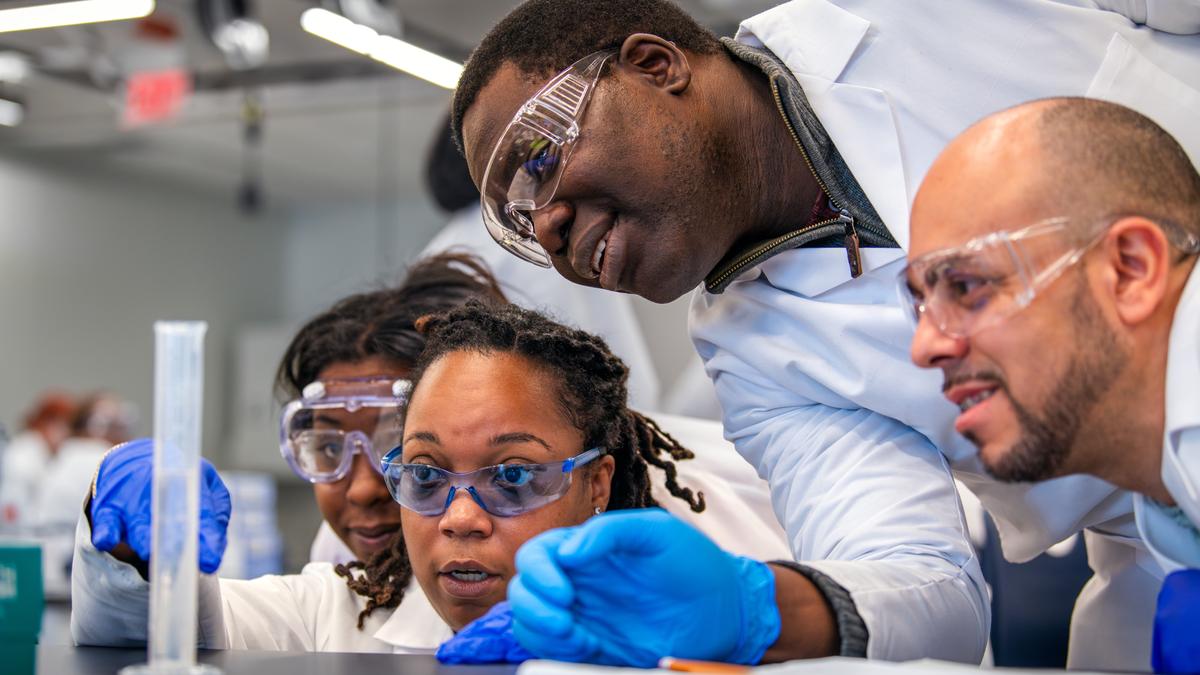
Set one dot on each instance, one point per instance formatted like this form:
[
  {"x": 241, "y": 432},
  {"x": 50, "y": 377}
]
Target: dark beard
[{"x": 1046, "y": 439}]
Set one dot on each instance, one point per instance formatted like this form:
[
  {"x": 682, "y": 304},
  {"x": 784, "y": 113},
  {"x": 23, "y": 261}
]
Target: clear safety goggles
[
  {"x": 501, "y": 490},
  {"x": 530, "y": 156},
  {"x": 320, "y": 433},
  {"x": 968, "y": 288}
]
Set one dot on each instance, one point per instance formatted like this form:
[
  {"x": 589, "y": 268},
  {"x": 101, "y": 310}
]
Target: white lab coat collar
[
  {"x": 414, "y": 626},
  {"x": 822, "y": 53},
  {"x": 816, "y": 40},
  {"x": 1173, "y": 546},
  {"x": 1181, "y": 441}
]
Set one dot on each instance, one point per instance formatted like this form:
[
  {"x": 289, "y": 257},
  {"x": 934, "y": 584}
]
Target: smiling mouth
[
  {"x": 598, "y": 255},
  {"x": 375, "y": 536},
  {"x": 975, "y": 399}
]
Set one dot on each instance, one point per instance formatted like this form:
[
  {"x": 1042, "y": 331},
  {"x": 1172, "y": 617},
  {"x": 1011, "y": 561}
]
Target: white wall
[
  {"x": 336, "y": 249},
  {"x": 89, "y": 258}
]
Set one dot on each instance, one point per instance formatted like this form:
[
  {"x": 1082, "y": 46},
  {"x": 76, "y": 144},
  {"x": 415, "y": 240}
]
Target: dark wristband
[{"x": 852, "y": 631}]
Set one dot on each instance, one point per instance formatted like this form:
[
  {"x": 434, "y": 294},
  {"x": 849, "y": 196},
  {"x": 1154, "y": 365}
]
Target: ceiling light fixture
[
  {"x": 72, "y": 14},
  {"x": 235, "y": 30},
  {"x": 11, "y": 112},
  {"x": 383, "y": 48}
]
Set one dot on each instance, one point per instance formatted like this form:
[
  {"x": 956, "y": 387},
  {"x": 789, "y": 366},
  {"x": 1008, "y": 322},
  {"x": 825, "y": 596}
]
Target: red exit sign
[{"x": 155, "y": 96}]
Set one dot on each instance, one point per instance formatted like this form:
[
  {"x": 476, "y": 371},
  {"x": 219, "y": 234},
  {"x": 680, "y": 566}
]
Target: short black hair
[
  {"x": 446, "y": 173},
  {"x": 542, "y": 37},
  {"x": 1105, "y": 159}
]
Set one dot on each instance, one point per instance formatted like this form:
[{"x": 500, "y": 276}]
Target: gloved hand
[
  {"x": 630, "y": 587},
  {"x": 1177, "y": 624},
  {"x": 121, "y": 506},
  {"x": 488, "y": 639}
]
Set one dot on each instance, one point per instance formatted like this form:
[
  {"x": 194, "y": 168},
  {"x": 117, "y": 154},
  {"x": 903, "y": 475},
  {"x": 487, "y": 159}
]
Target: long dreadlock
[{"x": 592, "y": 394}]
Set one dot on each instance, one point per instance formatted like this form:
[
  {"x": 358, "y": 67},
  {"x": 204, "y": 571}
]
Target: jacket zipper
[
  {"x": 850, "y": 236},
  {"x": 766, "y": 248}
]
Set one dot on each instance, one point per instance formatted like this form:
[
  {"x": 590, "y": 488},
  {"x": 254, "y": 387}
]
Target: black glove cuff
[{"x": 852, "y": 631}]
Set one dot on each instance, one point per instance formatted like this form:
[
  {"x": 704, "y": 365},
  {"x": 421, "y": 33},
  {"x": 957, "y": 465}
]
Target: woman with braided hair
[
  {"x": 514, "y": 425},
  {"x": 551, "y": 394}
]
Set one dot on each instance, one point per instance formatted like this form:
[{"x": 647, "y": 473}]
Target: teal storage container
[{"x": 21, "y": 599}]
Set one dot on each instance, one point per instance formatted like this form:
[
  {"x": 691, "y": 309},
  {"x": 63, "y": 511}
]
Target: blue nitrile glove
[
  {"x": 1177, "y": 624},
  {"x": 488, "y": 639},
  {"x": 629, "y": 587},
  {"x": 121, "y": 508}
]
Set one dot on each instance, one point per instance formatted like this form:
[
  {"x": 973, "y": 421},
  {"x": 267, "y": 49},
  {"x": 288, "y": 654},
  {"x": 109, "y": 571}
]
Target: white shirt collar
[
  {"x": 414, "y": 626},
  {"x": 1181, "y": 440},
  {"x": 1173, "y": 544}
]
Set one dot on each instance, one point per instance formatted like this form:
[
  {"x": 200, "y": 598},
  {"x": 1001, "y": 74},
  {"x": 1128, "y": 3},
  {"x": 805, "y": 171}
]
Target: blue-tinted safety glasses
[{"x": 501, "y": 490}]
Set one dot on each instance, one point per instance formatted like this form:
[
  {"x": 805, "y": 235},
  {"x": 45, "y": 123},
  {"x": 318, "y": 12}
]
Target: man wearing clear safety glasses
[
  {"x": 1072, "y": 344},
  {"x": 620, "y": 143}
]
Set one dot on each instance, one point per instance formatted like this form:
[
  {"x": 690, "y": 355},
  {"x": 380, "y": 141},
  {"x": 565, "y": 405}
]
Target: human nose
[
  {"x": 552, "y": 226},
  {"x": 366, "y": 486},
  {"x": 464, "y": 517},
  {"x": 932, "y": 347}
]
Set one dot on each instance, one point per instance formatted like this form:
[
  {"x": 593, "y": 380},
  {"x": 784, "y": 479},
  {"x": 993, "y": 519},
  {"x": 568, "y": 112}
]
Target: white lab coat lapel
[
  {"x": 414, "y": 626},
  {"x": 1181, "y": 442},
  {"x": 817, "y": 58}
]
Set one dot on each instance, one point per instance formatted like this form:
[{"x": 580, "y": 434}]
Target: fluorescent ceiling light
[
  {"x": 14, "y": 67},
  {"x": 72, "y": 13},
  {"x": 11, "y": 112},
  {"x": 383, "y": 48}
]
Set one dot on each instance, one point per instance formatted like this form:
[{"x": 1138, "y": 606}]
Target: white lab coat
[
  {"x": 609, "y": 315},
  {"x": 812, "y": 368},
  {"x": 22, "y": 465},
  {"x": 315, "y": 611},
  {"x": 1174, "y": 544}
]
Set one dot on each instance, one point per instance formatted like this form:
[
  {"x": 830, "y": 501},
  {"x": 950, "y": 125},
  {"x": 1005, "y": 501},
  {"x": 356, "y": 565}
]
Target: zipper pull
[{"x": 850, "y": 241}]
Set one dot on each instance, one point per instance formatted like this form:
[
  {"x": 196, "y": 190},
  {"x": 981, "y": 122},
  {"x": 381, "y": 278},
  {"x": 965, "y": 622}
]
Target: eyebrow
[
  {"x": 328, "y": 419},
  {"x": 518, "y": 437},
  {"x": 501, "y": 439},
  {"x": 427, "y": 436}
]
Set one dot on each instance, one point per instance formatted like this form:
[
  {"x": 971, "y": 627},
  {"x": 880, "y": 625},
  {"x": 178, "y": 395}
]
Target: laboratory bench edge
[{"x": 68, "y": 660}]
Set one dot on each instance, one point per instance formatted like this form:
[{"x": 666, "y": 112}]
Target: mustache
[{"x": 954, "y": 379}]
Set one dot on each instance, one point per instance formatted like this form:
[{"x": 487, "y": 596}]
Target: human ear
[
  {"x": 656, "y": 60},
  {"x": 1139, "y": 259},
  {"x": 600, "y": 481}
]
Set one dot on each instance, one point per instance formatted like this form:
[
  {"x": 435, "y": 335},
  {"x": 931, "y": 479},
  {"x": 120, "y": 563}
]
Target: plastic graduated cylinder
[{"x": 175, "y": 501}]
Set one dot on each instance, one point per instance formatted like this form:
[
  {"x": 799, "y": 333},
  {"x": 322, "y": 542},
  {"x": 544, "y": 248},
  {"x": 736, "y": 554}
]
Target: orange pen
[{"x": 690, "y": 666}]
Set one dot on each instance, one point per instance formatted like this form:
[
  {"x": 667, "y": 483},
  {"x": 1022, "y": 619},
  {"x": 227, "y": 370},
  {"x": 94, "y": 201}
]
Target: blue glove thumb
[{"x": 488, "y": 639}]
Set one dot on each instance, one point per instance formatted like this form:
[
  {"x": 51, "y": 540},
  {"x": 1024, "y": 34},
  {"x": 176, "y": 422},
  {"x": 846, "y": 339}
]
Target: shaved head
[
  {"x": 1101, "y": 159},
  {"x": 1088, "y": 158},
  {"x": 1046, "y": 389}
]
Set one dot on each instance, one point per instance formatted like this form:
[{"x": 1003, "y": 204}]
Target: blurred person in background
[
  {"x": 102, "y": 420},
  {"x": 24, "y": 459}
]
